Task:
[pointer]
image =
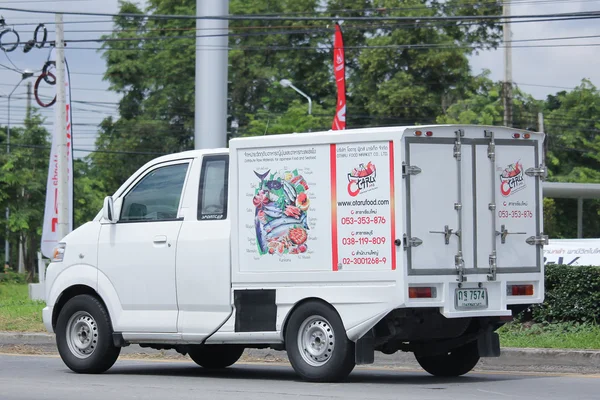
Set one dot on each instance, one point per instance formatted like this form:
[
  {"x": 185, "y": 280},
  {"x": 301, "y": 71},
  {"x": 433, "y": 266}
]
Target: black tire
[
  {"x": 456, "y": 362},
  {"x": 330, "y": 363},
  {"x": 215, "y": 356},
  {"x": 85, "y": 313}
]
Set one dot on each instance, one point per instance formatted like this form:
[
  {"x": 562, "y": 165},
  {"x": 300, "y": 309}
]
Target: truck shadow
[{"x": 286, "y": 373}]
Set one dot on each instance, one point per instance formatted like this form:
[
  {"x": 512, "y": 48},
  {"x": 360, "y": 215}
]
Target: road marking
[{"x": 491, "y": 392}]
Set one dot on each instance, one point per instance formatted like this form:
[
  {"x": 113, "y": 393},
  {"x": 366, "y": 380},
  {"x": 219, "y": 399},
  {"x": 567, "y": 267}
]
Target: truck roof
[{"x": 270, "y": 140}]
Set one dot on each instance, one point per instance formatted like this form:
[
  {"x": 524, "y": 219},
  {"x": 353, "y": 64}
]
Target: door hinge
[
  {"x": 457, "y": 144},
  {"x": 493, "y": 267},
  {"x": 541, "y": 240},
  {"x": 491, "y": 146},
  {"x": 459, "y": 263},
  {"x": 411, "y": 242},
  {"x": 540, "y": 172},
  {"x": 410, "y": 170}
]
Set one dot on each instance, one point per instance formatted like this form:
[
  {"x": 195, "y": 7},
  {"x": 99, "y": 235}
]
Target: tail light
[
  {"x": 421, "y": 292},
  {"x": 516, "y": 135},
  {"x": 428, "y": 133},
  {"x": 520, "y": 290},
  {"x": 418, "y": 133},
  {"x": 526, "y": 135}
]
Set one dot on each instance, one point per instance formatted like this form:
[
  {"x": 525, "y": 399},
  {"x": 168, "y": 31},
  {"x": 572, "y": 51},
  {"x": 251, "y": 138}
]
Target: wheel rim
[
  {"x": 316, "y": 341},
  {"x": 82, "y": 334}
]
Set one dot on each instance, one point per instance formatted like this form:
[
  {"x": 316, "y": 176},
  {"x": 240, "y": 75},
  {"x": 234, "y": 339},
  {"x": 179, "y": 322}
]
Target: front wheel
[
  {"x": 456, "y": 362},
  {"x": 215, "y": 356},
  {"x": 84, "y": 336},
  {"x": 317, "y": 345}
]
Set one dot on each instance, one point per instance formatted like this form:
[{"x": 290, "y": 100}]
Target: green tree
[
  {"x": 88, "y": 193},
  {"x": 483, "y": 105},
  {"x": 23, "y": 175},
  {"x": 572, "y": 125},
  {"x": 294, "y": 120},
  {"x": 389, "y": 84}
]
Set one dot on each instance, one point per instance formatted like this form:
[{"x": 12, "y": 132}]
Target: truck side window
[
  {"x": 156, "y": 196},
  {"x": 212, "y": 196}
]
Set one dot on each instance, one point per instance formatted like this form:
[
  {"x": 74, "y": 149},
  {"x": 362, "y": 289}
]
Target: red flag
[{"x": 339, "y": 68}]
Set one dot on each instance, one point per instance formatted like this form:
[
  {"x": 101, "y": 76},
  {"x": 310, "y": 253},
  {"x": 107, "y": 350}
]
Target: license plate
[{"x": 471, "y": 298}]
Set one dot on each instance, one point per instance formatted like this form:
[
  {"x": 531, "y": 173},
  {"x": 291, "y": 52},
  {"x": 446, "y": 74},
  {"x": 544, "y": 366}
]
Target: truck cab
[{"x": 329, "y": 245}]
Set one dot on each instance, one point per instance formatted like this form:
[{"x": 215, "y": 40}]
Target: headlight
[{"x": 59, "y": 252}]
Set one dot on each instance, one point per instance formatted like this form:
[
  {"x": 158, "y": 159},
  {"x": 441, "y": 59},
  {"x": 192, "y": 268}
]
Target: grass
[
  {"x": 17, "y": 311},
  {"x": 562, "y": 335}
]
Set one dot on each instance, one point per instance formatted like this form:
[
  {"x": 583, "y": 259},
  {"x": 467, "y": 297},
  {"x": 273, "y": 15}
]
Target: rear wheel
[
  {"x": 456, "y": 362},
  {"x": 317, "y": 345},
  {"x": 215, "y": 356},
  {"x": 84, "y": 336}
]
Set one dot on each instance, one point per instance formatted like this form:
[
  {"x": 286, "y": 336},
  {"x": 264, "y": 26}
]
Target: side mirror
[{"x": 108, "y": 210}]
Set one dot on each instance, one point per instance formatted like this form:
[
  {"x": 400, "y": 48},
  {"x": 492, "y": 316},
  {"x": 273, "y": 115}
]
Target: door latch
[
  {"x": 410, "y": 170},
  {"x": 541, "y": 172},
  {"x": 537, "y": 240},
  {"x": 504, "y": 233},
  {"x": 447, "y": 232},
  {"x": 409, "y": 242}
]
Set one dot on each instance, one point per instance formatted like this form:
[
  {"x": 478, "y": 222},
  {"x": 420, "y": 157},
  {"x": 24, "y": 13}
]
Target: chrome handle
[{"x": 160, "y": 239}]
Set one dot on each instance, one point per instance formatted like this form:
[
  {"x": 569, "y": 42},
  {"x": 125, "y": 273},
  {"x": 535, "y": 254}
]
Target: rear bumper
[
  {"x": 498, "y": 297},
  {"x": 47, "y": 318}
]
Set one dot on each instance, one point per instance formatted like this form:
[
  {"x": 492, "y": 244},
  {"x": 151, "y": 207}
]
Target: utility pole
[
  {"x": 61, "y": 137},
  {"x": 211, "y": 75},
  {"x": 21, "y": 263},
  {"x": 508, "y": 114},
  {"x": 545, "y": 144},
  {"x": 29, "y": 96}
]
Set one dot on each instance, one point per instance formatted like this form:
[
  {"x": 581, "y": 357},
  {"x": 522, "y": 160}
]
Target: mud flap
[
  {"x": 488, "y": 344},
  {"x": 365, "y": 349}
]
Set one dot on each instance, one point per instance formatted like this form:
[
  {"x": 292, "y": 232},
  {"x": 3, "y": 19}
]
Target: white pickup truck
[{"x": 329, "y": 245}]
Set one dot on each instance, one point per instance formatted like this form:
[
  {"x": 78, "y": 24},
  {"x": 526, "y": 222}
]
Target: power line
[
  {"x": 248, "y": 17},
  {"x": 350, "y": 48},
  {"x": 33, "y": 146},
  {"x": 161, "y": 38}
]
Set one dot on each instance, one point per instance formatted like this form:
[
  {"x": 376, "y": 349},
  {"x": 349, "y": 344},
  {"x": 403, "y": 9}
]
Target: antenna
[{"x": 268, "y": 120}]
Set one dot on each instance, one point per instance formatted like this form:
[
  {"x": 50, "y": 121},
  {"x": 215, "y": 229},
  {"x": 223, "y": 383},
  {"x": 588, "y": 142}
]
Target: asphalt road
[{"x": 46, "y": 377}]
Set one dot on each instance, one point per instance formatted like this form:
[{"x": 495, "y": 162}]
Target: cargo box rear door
[
  {"x": 508, "y": 211},
  {"x": 439, "y": 206}
]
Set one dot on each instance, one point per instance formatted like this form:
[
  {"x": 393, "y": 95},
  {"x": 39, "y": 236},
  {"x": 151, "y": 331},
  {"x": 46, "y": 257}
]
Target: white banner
[
  {"x": 50, "y": 229},
  {"x": 575, "y": 252}
]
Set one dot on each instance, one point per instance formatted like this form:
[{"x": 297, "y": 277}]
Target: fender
[
  {"x": 76, "y": 274},
  {"x": 374, "y": 301},
  {"x": 109, "y": 295},
  {"x": 86, "y": 275}
]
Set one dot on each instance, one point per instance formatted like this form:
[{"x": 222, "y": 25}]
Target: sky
[{"x": 538, "y": 71}]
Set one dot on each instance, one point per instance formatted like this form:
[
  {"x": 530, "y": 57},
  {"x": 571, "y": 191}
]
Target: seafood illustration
[
  {"x": 362, "y": 171},
  {"x": 512, "y": 170},
  {"x": 281, "y": 201}
]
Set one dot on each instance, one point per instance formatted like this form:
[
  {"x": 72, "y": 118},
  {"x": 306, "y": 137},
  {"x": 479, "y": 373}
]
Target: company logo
[
  {"x": 512, "y": 179},
  {"x": 361, "y": 179}
]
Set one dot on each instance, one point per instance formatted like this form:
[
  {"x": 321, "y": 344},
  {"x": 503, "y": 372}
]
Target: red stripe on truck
[
  {"x": 392, "y": 205},
  {"x": 333, "y": 171}
]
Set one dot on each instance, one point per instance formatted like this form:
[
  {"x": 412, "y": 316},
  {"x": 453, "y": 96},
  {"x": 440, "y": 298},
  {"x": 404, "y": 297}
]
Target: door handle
[{"x": 160, "y": 239}]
